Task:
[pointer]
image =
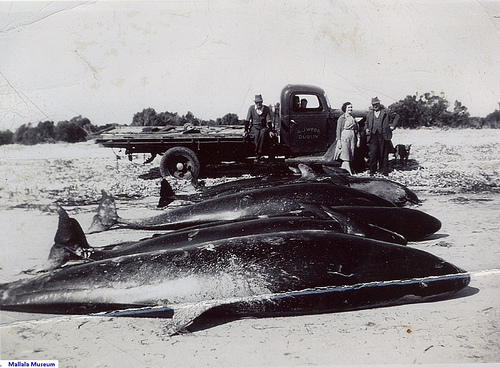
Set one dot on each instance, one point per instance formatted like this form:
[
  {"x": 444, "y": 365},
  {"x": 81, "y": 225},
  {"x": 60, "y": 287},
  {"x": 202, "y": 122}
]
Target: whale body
[
  {"x": 280, "y": 273},
  {"x": 392, "y": 191},
  {"x": 259, "y": 202}
]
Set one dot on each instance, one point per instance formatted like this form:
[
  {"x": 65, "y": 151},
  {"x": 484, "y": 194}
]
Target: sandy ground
[{"x": 455, "y": 174}]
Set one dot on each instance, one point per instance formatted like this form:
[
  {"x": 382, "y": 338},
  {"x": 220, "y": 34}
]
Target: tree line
[
  {"x": 78, "y": 129},
  {"x": 149, "y": 117},
  {"x": 427, "y": 110},
  {"x": 430, "y": 110}
]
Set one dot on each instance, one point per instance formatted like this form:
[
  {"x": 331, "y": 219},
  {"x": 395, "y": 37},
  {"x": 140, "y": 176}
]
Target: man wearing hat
[
  {"x": 258, "y": 123},
  {"x": 378, "y": 136}
]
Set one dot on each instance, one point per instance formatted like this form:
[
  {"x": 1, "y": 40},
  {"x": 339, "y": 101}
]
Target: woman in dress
[{"x": 347, "y": 136}]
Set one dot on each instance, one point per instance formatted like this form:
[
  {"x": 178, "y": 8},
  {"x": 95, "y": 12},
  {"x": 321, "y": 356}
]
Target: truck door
[{"x": 309, "y": 123}]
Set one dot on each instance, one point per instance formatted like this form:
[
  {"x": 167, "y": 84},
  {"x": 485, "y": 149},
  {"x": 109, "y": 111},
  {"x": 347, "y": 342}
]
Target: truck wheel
[{"x": 181, "y": 163}]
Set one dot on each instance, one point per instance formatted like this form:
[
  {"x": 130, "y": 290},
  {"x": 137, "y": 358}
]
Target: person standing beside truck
[
  {"x": 378, "y": 136},
  {"x": 347, "y": 136},
  {"x": 258, "y": 125}
]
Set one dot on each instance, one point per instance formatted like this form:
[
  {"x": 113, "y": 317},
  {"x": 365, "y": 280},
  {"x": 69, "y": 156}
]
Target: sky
[{"x": 107, "y": 60}]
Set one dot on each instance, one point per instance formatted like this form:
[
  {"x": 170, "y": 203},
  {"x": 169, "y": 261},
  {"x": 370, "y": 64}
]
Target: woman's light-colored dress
[{"x": 347, "y": 130}]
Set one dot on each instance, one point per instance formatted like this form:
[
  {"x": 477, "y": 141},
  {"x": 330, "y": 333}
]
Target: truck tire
[{"x": 181, "y": 163}]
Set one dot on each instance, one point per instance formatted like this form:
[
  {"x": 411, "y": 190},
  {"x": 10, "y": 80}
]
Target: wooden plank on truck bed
[{"x": 141, "y": 132}]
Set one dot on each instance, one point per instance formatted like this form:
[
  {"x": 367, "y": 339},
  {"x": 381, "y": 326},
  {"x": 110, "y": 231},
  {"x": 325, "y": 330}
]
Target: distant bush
[
  {"x": 75, "y": 130},
  {"x": 68, "y": 131},
  {"x": 78, "y": 129},
  {"x": 492, "y": 120},
  {"x": 430, "y": 110},
  {"x": 228, "y": 119},
  {"x": 6, "y": 137},
  {"x": 146, "y": 117},
  {"x": 149, "y": 117},
  {"x": 44, "y": 132}
]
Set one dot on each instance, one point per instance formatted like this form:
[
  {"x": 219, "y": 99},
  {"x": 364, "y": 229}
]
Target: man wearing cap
[
  {"x": 378, "y": 136},
  {"x": 258, "y": 123}
]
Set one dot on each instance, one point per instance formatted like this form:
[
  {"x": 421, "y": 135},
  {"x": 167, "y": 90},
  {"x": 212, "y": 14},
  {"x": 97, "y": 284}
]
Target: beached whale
[
  {"x": 392, "y": 191},
  {"x": 280, "y": 273},
  {"x": 259, "y": 202}
]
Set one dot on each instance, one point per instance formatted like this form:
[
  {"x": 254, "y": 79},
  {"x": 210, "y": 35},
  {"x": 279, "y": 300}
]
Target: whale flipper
[{"x": 181, "y": 316}]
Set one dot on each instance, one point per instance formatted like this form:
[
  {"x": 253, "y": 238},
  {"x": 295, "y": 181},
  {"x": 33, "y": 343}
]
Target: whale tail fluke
[{"x": 106, "y": 215}]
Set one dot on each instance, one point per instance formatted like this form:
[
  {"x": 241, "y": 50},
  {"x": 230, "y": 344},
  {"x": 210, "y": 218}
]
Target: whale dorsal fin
[
  {"x": 69, "y": 232},
  {"x": 167, "y": 194},
  {"x": 70, "y": 242}
]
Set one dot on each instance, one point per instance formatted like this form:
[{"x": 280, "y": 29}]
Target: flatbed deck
[{"x": 145, "y": 139}]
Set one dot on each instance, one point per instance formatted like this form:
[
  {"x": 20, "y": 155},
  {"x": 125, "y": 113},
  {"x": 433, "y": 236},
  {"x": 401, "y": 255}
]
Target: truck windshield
[{"x": 306, "y": 102}]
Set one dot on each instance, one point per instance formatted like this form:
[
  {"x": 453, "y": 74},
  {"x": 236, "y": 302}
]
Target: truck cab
[{"x": 307, "y": 124}]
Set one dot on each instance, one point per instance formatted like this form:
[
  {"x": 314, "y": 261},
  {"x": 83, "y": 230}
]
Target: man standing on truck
[
  {"x": 378, "y": 136},
  {"x": 258, "y": 125}
]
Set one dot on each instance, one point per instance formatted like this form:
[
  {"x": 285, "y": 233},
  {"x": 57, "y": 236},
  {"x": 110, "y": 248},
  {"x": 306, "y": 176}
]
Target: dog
[{"x": 401, "y": 153}]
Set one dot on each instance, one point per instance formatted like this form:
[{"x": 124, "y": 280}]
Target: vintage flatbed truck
[{"x": 186, "y": 150}]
